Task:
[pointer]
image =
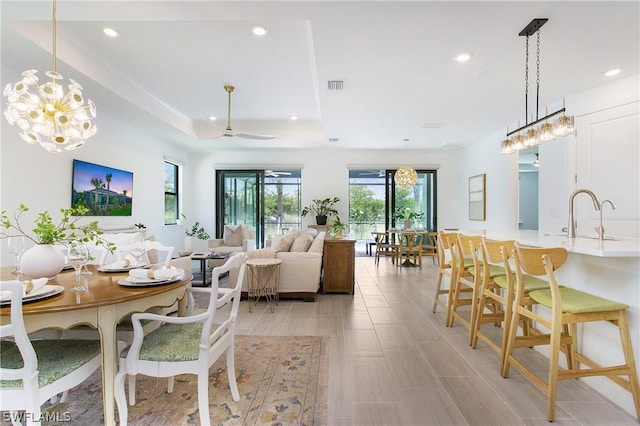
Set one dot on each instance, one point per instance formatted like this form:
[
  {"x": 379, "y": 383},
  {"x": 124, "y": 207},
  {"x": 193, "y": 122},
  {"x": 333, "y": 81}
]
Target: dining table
[
  {"x": 101, "y": 306},
  {"x": 406, "y": 241}
]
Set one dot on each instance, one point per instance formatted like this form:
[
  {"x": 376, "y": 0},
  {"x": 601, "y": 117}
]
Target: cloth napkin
[
  {"x": 127, "y": 262},
  {"x": 156, "y": 274},
  {"x": 29, "y": 286}
]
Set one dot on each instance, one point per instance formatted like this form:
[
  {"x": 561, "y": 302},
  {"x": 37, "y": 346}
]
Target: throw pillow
[
  {"x": 232, "y": 235},
  {"x": 286, "y": 242},
  {"x": 302, "y": 242}
]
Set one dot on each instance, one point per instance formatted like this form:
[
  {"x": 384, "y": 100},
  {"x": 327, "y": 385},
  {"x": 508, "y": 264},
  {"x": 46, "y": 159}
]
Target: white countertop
[{"x": 614, "y": 247}]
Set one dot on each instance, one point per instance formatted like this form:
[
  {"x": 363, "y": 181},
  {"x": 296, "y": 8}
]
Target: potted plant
[
  {"x": 196, "y": 231},
  {"x": 408, "y": 215},
  {"x": 45, "y": 260},
  {"x": 338, "y": 227},
  {"x": 322, "y": 208}
]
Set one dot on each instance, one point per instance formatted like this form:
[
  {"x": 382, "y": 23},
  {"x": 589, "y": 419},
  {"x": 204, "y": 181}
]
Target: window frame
[{"x": 177, "y": 193}]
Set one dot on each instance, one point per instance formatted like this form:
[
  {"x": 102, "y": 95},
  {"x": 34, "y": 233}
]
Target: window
[{"x": 171, "y": 193}]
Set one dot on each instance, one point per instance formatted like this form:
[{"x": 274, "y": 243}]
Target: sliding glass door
[
  {"x": 267, "y": 200},
  {"x": 239, "y": 200},
  {"x": 374, "y": 200}
]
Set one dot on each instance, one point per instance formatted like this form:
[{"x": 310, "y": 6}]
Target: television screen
[{"x": 105, "y": 191}]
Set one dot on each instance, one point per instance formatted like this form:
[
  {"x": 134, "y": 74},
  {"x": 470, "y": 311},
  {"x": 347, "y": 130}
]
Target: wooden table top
[{"x": 103, "y": 289}]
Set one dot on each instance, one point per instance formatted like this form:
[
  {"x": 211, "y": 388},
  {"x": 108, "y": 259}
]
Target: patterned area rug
[{"x": 282, "y": 381}]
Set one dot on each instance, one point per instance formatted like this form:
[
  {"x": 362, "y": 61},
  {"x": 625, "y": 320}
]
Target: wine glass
[
  {"x": 137, "y": 250},
  {"x": 85, "y": 270},
  {"x": 78, "y": 256},
  {"x": 16, "y": 248}
]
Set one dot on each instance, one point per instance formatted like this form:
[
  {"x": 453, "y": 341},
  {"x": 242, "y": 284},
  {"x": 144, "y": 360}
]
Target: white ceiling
[{"x": 166, "y": 70}]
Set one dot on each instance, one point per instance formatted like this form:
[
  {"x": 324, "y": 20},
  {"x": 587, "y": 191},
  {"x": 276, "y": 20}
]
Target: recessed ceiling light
[
  {"x": 110, "y": 32},
  {"x": 213, "y": 118},
  {"x": 293, "y": 118},
  {"x": 612, "y": 72},
  {"x": 463, "y": 57},
  {"x": 259, "y": 30}
]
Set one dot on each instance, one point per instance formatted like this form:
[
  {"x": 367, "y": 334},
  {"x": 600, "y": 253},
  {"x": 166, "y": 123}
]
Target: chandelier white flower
[
  {"x": 45, "y": 113},
  {"x": 406, "y": 176}
]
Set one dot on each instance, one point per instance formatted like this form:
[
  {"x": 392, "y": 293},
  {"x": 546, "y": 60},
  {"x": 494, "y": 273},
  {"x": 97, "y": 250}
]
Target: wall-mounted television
[{"x": 105, "y": 191}]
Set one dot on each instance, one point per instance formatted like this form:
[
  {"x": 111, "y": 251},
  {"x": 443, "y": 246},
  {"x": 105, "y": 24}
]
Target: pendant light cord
[{"x": 54, "y": 35}]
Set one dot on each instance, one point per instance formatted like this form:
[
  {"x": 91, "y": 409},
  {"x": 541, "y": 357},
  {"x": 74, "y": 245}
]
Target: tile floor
[{"x": 393, "y": 362}]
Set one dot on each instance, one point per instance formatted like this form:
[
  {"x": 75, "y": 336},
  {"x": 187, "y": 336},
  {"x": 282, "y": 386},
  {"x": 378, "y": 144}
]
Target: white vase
[
  {"x": 188, "y": 243},
  {"x": 42, "y": 261}
]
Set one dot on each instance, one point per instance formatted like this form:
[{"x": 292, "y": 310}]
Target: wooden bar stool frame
[
  {"x": 465, "y": 280},
  {"x": 444, "y": 268},
  {"x": 562, "y": 325}
]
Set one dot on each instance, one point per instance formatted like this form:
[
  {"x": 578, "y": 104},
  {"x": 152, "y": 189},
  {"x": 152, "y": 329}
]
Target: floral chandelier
[
  {"x": 543, "y": 129},
  {"x": 45, "y": 113}
]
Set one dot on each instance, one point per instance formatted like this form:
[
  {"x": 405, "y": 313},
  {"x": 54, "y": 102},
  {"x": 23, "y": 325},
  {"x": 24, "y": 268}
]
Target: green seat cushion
[
  {"x": 530, "y": 283},
  {"x": 56, "y": 358},
  {"x": 494, "y": 271},
  {"x": 171, "y": 343},
  {"x": 577, "y": 302}
]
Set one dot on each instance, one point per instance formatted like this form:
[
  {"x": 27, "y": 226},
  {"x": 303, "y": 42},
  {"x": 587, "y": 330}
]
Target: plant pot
[
  {"x": 188, "y": 243},
  {"x": 407, "y": 224},
  {"x": 321, "y": 220},
  {"x": 42, "y": 261}
]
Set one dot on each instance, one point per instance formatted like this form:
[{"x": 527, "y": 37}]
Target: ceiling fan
[
  {"x": 272, "y": 173},
  {"x": 229, "y": 133}
]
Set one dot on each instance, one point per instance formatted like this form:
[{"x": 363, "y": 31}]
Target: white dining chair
[
  {"x": 32, "y": 372},
  {"x": 186, "y": 345}
]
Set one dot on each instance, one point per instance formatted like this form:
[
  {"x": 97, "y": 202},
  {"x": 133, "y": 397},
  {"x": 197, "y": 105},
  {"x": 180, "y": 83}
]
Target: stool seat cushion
[
  {"x": 576, "y": 301},
  {"x": 530, "y": 283},
  {"x": 494, "y": 271}
]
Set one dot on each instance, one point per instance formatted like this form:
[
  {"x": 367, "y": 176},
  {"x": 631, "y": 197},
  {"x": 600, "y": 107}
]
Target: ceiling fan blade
[{"x": 252, "y": 136}]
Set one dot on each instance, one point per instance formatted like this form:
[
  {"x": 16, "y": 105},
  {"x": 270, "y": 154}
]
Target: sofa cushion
[
  {"x": 286, "y": 241},
  {"x": 232, "y": 235},
  {"x": 302, "y": 242},
  {"x": 318, "y": 244}
]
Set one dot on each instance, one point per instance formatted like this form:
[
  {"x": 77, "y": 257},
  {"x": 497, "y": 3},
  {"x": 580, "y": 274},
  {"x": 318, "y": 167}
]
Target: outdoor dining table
[{"x": 102, "y": 306}]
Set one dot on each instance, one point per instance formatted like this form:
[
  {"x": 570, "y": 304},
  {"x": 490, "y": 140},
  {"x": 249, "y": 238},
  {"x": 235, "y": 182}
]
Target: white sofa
[{"x": 301, "y": 265}]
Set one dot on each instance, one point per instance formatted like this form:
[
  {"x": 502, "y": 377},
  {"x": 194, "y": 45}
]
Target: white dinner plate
[
  {"x": 127, "y": 269},
  {"x": 143, "y": 282},
  {"x": 43, "y": 292}
]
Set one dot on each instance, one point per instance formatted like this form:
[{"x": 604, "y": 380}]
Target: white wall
[{"x": 324, "y": 174}]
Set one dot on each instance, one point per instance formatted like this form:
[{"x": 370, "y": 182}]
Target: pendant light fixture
[
  {"x": 45, "y": 113},
  {"x": 406, "y": 176},
  {"x": 543, "y": 129}
]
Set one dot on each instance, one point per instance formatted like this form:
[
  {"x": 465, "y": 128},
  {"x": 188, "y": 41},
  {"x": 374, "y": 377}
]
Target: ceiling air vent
[
  {"x": 335, "y": 85},
  {"x": 334, "y": 140}
]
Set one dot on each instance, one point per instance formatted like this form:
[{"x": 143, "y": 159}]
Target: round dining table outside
[{"x": 102, "y": 306}]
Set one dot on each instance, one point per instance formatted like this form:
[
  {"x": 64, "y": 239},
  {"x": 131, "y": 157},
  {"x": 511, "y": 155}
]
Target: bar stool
[
  {"x": 444, "y": 267},
  {"x": 569, "y": 307},
  {"x": 462, "y": 260},
  {"x": 498, "y": 290}
]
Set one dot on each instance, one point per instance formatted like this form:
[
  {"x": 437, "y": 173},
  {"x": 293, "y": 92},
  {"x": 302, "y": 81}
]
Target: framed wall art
[{"x": 105, "y": 191}]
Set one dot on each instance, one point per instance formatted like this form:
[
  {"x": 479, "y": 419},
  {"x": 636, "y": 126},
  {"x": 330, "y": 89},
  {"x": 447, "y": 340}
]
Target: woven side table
[{"x": 264, "y": 275}]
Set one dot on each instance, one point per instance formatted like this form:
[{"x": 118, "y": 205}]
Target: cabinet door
[{"x": 339, "y": 264}]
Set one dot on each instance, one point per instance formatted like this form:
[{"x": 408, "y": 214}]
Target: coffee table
[{"x": 203, "y": 257}]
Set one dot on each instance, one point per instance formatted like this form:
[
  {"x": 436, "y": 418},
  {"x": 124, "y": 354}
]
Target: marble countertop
[{"x": 613, "y": 246}]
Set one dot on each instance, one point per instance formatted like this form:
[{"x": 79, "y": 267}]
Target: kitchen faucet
[
  {"x": 572, "y": 222},
  {"x": 600, "y": 229}
]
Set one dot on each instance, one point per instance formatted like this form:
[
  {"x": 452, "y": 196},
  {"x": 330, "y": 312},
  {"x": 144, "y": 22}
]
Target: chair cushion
[
  {"x": 56, "y": 358},
  {"x": 171, "y": 343},
  {"x": 577, "y": 302},
  {"x": 302, "y": 242},
  {"x": 530, "y": 283},
  {"x": 232, "y": 235}
]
